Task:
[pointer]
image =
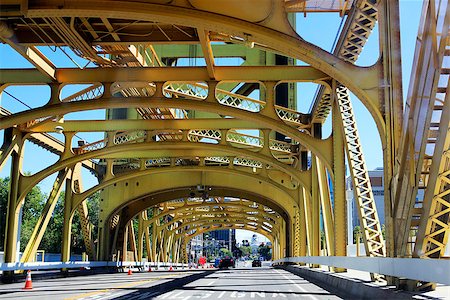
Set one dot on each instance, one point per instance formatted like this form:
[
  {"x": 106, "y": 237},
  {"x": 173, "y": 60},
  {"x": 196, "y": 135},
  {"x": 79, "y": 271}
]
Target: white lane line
[
  {"x": 299, "y": 287},
  {"x": 212, "y": 282}
]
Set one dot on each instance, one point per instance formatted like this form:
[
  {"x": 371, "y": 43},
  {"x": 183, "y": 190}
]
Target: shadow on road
[{"x": 162, "y": 288}]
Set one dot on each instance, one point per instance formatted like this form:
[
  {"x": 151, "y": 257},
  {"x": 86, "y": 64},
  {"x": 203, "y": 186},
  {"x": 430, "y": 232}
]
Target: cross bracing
[{"x": 234, "y": 130}]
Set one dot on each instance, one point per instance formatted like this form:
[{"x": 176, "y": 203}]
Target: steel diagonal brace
[
  {"x": 31, "y": 248},
  {"x": 193, "y": 209},
  {"x": 321, "y": 148},
  {"x": 11, "y": 141},
  {"x": 367, "y": 212},
  {"x": 143, "y": 149}
]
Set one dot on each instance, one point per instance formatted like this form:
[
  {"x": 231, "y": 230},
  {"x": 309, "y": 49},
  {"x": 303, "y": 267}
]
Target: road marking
[
  {"x": 293, "y": 282},
  {"x": 134, "y": 283},
  {"x": 214, "y": 280},
  {"x": 221, "y": 295}
]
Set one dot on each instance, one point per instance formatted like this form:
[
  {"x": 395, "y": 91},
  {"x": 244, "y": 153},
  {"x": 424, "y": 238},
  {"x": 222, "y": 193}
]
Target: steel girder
[
  {"x": 179, "y": 182},
  {"x": 358, "y": 26},
  {"x": 182, "y": 219},
  {"x": 153, "y": 150},
  {"x": 423, "y": 139},
  {"x": 367, "y": 211},
  {"x": 268, "y": 116},
  {"x": 423, "y": 224},
  {"x": 275, "y": 34}
]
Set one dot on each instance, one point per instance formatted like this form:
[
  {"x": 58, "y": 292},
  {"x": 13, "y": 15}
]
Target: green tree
[
  {"x": 246, "y": 250},
  {"x": 356, "y": 233},
  {"x": 4, "y": 188},
  {"x": 225, "y": 252},
  {"x": 51, "y": 241},
  {"x": 31, "y": 211},
  {"x": 265, "y": 251}
]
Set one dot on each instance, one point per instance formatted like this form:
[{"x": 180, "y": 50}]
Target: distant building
[
  {"x": 377, "y": 182},
  {"x": 218, "y": 239},
  {"x": 195, "y": 248},
  {"x": 254, "y": 244}
]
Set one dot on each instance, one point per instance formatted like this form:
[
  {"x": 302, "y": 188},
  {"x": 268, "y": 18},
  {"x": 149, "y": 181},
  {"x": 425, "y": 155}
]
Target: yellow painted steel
[
  {"x": 32, "y": 246},
  {"x": 362, "y": 189},
  {"x": 158, "y": 156},
  {"x": 340, "y": 203}
]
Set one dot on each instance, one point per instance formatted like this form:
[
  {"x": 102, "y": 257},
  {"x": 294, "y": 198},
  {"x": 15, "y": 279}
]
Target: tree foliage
[
  {"x": 31, "y": 212},
  {"x": 4, "y": 188},
  {"x": 265, "y": 251},
  {"x": 246, "y": 250},
  {"x": 225, "y": 252}
]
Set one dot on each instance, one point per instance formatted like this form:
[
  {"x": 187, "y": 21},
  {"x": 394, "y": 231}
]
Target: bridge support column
[
  {"x": 340, "y": 202},
  {"x": 67, "y": 226},
  {"x": 315, "y": 200},
  {"x": 12, "y": 232},
  {"x": 302, "y": 224}
]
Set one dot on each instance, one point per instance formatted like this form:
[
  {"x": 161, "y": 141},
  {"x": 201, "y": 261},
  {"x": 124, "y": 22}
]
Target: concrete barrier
[{"x": 348, "y": 288}]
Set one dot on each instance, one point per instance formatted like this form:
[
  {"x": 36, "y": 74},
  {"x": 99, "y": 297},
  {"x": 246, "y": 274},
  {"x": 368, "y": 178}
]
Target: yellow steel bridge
[{"x": 217, "y": 147}]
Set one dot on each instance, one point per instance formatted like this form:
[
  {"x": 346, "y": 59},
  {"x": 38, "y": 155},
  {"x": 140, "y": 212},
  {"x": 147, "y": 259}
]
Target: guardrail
[
  {"x": 83, "y": 264},
  {"x": 429, "y": 270}
]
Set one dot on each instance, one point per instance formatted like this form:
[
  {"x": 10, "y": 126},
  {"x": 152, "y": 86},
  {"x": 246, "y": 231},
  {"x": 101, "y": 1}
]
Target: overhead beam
[
  {"x": 31, "y": 53},
  {"x": 239, "y": 73},
  {"x": 205, "y": 43},
  {"x": 182, "y": 51},
  {"x": 125, "y": 125}
]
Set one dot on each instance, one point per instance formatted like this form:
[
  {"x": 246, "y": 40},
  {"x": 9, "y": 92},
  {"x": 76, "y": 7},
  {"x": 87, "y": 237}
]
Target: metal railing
[
  {"x": 84, "y": 264},
  {"x": 410, "y": 268}
]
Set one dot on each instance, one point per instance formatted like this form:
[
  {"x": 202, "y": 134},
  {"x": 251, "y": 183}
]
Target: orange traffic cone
[
  {"x": 28, "y": 283},
  {"x": 129, "y": 271},
  {"x": 170, "y": 269}
]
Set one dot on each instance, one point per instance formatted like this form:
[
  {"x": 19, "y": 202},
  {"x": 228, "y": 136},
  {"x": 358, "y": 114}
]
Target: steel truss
[{"x": 159, "y": 153}]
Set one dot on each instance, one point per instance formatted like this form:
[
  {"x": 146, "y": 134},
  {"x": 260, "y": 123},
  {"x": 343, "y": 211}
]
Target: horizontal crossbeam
[{"x": 190, "y": 74}]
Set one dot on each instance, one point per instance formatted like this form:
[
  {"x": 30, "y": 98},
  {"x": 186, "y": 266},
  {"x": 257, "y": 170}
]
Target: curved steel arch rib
[
  {"x": 164, "y": 189},
  {"x": 164, "y": 184},
  {"x": 222, "y": 211},
  {"x": 217, "y": 205},
  {"x": 159, "y": 149},
  {"x": 274, "y": 34},
  {"x": 321, "y": 148}
]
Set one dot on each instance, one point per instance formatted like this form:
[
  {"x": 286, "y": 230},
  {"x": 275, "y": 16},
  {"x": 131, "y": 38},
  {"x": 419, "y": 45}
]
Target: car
[
  {"x": 226, "y": 262},
  {"x": 216, "y": 262},
  {"x": 256, "y": 263}
]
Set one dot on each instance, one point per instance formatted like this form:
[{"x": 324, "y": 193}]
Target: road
[{"x": 243, "y": 282}]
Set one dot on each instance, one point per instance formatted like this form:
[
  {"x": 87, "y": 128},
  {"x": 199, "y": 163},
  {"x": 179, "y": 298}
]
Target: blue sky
[{"x": 319, "y": 29}]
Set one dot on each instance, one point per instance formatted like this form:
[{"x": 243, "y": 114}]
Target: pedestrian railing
[
  {"x": 429, "y": 270},
  {"x": 86, "y": 264}
]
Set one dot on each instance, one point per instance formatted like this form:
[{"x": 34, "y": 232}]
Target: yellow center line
[{"x": 134, "y": 283}]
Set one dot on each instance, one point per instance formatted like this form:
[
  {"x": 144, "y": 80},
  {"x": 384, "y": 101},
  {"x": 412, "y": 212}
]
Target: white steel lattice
[
  {"x": 218, "y": 159},
  {"x": 245, "y": 139},
  {"x": 280, "y": 146},
  {"x": 289, "y": 115},
  {"x": 157, "y": 162},
  {"x": 361, "y": 183},
  {"x": 93, "y": 146},
  {"x": 129, "y": 136},
  {"x": 196, "y": 91},
  {"x": 94, "y": 91},
  {"x": 239, "y": 101},
  {"x": 197, "y": 135},
  {"x": 241, "y": 161}
]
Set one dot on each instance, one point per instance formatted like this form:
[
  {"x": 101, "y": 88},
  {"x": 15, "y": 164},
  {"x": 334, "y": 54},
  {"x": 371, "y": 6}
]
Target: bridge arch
[{"x": 162, "y": 186}]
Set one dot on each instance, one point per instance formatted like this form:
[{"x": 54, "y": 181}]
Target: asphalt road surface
[{"x": 240, "y": 283}]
